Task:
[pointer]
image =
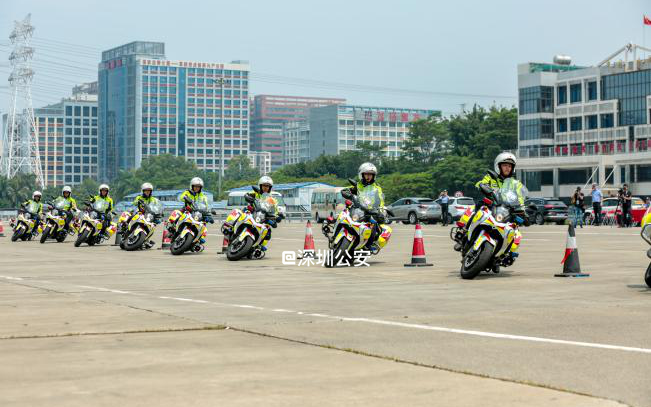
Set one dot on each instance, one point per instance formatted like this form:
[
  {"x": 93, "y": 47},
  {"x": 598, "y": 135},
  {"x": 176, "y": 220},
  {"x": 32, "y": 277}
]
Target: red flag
[{"x": 647, "y": 20}]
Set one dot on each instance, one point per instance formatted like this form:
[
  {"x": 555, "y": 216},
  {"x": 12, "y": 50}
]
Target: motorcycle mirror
[
  {"x": 249, "y": 198},
  {"x": 255, "y": 188},
  {"x": 346, "y": 193},
  {"x": 390, "y": 212},
  {"x": 214, "y": 212},
  {"x": 351, "y": 182},
  {"x": 533, "y": 207},
  {"x": 493, "y": 174}
]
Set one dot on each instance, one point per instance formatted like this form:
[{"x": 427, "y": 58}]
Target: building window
[
  {"x": 535, "y": 129},
  {"x": 68, "y": 110},
  {"x": 576, "y": 123},
  {"x": 77, "y": 110},
  {"x": 575, "y": 93},
  {"x": 607, "y": 120},
  {"x": 591, "y": 122},
  {"x": 535, "y": 99},
  {"x": 631, "y": 90},
  {"x": 592, "y": 90},
  {"x": 561, "y": 125},
  {"x": 562, "y": 95}
]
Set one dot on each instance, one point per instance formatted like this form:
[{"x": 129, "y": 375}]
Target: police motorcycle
[
  {"x": 187, "y": 229},
  {"x": 646, "y": 236},
  {"x": 493, "y": 238},
  {"x": 90, "y": 231},
  {"x": 351, "y": 231},
  {"x": 55, "y": 221},
  {"x": 24, "y": 224},
  {"x": 137, "y": 232},
  {"x": 246, "y": 229}
]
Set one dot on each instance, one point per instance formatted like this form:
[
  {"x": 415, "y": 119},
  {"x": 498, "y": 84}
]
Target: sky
[{"x": 437, "y": 54}]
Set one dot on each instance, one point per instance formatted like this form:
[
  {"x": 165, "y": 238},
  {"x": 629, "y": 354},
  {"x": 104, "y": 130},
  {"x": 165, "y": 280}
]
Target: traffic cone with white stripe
[
  {"x": 225, "y": 243},
  {"x": 2, "y": 230},
  {"x": 418, "y": 251},
  {"x": 308, "y": 245},
  {"x": 166, "y": 242},
  {"x": 571, "y": 265}
]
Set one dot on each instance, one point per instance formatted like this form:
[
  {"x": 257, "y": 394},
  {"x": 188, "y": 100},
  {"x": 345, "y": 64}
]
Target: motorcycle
[
  {"x": 90, "y": 231},
  {"x": 137, "y": 233},
  {"x": 493, "y": 238},
  {"x": 350, "y": 233},
  {"x": 187, "y": 229},
  {"x": 246, "y": 230},
  {"x": 646, "y": 236},
  {"x": 25, "y": 222},
  {"x": 55, "y": 222}
]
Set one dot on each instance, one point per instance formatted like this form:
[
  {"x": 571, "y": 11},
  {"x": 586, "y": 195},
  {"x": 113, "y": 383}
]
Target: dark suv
[{"x": 547, "y": 210}]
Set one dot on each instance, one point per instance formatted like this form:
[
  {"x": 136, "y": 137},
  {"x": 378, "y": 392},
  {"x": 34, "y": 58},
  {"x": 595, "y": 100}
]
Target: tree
[
  {"x": 239, "y": 168},
  {"x": 426, "y": 141}
]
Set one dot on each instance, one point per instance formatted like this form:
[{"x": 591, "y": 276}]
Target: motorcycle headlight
[
  {"x": 646, "y": 233},
  {"x": 27, "y": 216},
  {"x": 501, "y": 214},
  {"x": 357, "y": 214},
  {"x": 55, "y": 212},
  {"x": 149, "y": 217},
  {"x": 93, "y": 215},
  {"x": 258, "y": 218},
  {"x": 197, "y": 215}
]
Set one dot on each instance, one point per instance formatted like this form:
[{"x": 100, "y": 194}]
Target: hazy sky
[{"x": 466, "y": 47}]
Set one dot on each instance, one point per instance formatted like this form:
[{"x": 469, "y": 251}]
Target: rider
[
  {"x": 504, "y": 166},
  {"x": 367, "y": 173},
  {"x": 71, "y": 204},
  {"x": 106, "y": 216},
  {"x": 195, "y": 194},
  {"x": 265, "y": 183},
  {"x": 145, "y": 198},
  {"x": 36, "y": 198}
]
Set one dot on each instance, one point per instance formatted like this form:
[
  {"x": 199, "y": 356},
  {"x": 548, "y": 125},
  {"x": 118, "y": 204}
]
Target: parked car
[
  {"x": 610, "y": 205},
  {"x": 412, "y": 210},
  {"x": 457, "y": 206},
  {"x": 547, "y": 210}
]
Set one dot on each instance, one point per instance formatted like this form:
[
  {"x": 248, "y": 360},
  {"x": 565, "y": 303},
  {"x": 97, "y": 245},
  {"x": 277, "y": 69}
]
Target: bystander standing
[
  {"x": 577, "y": 205},
  {"x": 445, "y": 200},
  {"x": 597, "y": 196}
]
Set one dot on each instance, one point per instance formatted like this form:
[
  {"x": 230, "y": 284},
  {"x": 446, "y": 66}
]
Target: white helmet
[
  {"x": 66, "y": 189},
  {"x": 505, "y": 157},
  {"x": 196, "y": 181},
  {"x": 103, "y": 186},
  {"x": 147, "y": 185},
  {"x": 266, "y": 180},
  {"x": 365, "y": 169},
  {"x": 35, "y": 194}
]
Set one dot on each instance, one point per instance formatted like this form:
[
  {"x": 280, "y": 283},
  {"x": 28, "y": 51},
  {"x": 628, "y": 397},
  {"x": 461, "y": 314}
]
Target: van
[
  {"x": 236, "y": 201},
  {"x": 326, "y": 202}
]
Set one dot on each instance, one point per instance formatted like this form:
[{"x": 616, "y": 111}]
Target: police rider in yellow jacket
[
  {"x": 71, "y": 204},
  {"x": 504, "y": 167},
  {"x": 265, "y": 184},
  {"x": 367, "y": 185},
  {"x": 106, "y": 216},
  {"x": 36, "y": 198},
  {"x": 195, "y": 194}
]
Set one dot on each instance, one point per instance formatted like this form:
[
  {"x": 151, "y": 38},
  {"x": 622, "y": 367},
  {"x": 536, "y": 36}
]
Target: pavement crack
[{"x": 135, "y": 331}]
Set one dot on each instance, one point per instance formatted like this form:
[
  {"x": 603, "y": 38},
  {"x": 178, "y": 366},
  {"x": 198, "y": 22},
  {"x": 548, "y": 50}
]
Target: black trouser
[
  {"x": 626, "y": 215},
  {"x": 596, "y": 207},
  {"x": 445, "y": 215}
]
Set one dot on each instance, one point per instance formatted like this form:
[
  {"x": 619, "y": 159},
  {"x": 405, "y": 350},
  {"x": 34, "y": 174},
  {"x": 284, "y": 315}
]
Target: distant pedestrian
[
  {"x": 445, "y": 201},
  {"x": 597, "y": 196},
  {"x": 625, "y": 198},
  {"x": 577, "y": 204}
]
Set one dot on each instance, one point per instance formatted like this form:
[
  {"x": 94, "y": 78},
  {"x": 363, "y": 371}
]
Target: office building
[
  {"x": 268, "y": 115},
  {"x": 260, "y": 160},
  {"x": 149, "y": 105},
  {"x": 584, "y": 124},
  {"x": 296, "y": 142},
  {"x": 338, "y": 128}
]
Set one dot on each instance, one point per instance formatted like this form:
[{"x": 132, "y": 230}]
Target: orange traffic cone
[
  {"x": 166, "y": 242},
  {"x": 2, "y": 230},
  {"x": 418, "y": 252},
  {"x": 225, "y": 244},
  {"x": 308, "y": 246},
  {"x": 571, "y": 265}
]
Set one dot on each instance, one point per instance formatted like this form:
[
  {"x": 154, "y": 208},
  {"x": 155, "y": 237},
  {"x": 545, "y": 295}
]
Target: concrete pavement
[{"x": 587, "y": 336}]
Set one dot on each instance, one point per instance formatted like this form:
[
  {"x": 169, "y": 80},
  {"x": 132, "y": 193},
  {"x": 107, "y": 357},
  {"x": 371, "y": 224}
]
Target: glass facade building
[{"x": 149, "y": 105}]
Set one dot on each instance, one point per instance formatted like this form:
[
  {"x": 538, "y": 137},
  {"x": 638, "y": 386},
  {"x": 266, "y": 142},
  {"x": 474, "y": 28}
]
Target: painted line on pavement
[{"x": 493, "y": 335}]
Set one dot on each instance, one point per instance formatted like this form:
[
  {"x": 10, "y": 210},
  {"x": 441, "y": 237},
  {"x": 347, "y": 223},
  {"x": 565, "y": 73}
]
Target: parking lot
[{"x": 99, "y": 326}]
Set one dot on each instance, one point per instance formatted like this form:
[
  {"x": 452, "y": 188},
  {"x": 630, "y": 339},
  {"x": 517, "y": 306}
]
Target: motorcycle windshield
[
  {"x": 512, "y": 193},
  {"x": 201, "y": 206},
  {"x": 369, "y": 197},
  {"x": 268, "y": 203},
  {"x": 60, "y": 203},
  {"x": 32, "y": 207},
  {"x": 100, "y": 206},
  {"x": 154, "y": 207}
]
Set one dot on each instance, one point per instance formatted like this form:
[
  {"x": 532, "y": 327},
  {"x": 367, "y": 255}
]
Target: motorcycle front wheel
[
  {"x": 81, "y": 238},
  {"x": 647, "y": 276},
  {"x": 475, "y": 261},
  {"x": 181, "y": 244},
  {"x": 239, "y": 248},
  {"x": 134, "y": 242},
  {"x": 17, "y": 234},
  {"x": 45, "y": 235},
  {"x": 339, "y": 252}
]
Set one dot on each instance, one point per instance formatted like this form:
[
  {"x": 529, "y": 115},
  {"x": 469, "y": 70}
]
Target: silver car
[
  {"x": 413, "y": 210},
  {"x": 457, "y": 206}
]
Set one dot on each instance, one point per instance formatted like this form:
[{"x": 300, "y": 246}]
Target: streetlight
[{"x": 221, "y": 82}]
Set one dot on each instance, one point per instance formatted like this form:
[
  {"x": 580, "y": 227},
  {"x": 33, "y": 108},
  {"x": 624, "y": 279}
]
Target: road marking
[{"x": 493, "y": 335}]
